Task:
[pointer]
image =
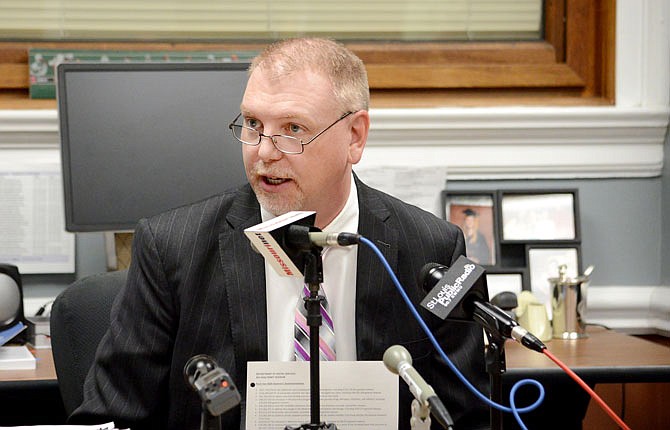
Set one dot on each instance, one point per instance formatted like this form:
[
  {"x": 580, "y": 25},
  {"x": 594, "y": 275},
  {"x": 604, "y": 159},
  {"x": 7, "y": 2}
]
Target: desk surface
[
  {"x": 45, "y": 370},
  {"x": 604, "y": 356},
  {"x": 22, "y": 390}
]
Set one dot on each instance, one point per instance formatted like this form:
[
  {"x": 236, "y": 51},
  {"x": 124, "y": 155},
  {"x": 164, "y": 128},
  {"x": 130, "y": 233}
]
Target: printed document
[
  {"x": 354, "y": 395},
  {"x": 32, "y": 215}
]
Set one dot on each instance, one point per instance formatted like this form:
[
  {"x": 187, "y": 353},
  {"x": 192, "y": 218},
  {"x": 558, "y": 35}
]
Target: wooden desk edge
[
  {"x": 606, "y": 356},
  {"x": 45, "y": 370}
]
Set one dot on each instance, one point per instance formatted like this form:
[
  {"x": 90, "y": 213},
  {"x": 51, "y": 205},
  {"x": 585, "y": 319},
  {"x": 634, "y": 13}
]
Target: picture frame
[
  {"x": 502, "y": 279},
  {"x": 538, "y": 216},
  {"x": 543, "y": 264},
  {"x": 475, "y": 213}
]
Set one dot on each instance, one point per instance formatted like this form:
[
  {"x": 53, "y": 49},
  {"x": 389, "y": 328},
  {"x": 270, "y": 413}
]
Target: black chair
[{"x": 79, "y": 319}]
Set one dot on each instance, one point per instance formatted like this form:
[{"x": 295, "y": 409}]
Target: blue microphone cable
[{"x": 511, "y": 409}]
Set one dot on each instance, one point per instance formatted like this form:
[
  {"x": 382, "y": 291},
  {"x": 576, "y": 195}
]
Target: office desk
[
  {"x": 45, "y": 373},
  {"x": 604, "y": 357},
  {"x": 30, "y": 397}
]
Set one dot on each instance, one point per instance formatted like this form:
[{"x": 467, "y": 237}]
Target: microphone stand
[
  {"x": 495, "y": 356},
  {"x": 209, "y": 421},
  {"x": 313, "y": 269},
  {"x": 495, "y": 366},
  {"x": 420, "y": 416}
]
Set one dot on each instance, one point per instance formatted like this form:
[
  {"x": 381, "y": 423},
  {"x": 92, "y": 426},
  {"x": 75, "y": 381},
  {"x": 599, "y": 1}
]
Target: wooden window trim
[{"x": 573, "y": 65}]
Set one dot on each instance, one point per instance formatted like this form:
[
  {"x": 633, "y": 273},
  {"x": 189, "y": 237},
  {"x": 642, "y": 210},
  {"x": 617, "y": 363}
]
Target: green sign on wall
[{"x": 43, "y": 62}]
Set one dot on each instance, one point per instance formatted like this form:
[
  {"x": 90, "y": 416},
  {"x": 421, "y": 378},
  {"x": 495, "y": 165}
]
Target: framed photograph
[
  {"x": 539, "y": 216},
  {"x": 543, "y": 264},
  {"x": 475, "y": 214},
  {"x": 501, "y": 279}
]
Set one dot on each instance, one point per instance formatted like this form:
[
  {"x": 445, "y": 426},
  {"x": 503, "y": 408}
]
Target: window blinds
[{"x": 411, "y": 20}]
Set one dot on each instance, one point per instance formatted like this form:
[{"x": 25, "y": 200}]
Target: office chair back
[{"x": 79, "y": 319}]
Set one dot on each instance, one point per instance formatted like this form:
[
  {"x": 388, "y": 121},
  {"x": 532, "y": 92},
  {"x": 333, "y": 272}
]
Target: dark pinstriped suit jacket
[{"x": 195, "y": 286}]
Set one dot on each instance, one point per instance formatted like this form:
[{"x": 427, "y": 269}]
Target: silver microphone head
[{"x": 394, "y": 356}]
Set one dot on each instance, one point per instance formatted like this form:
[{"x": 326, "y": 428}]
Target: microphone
[
  {"x": 399, "y": 361},
  {"x": 213, "y": 384},
  {"x": 460, "y": 292},
  {"x": 269, "y": 239},
  {"x": 282, "y": 240},
  {"x": 301, "y": 236}
]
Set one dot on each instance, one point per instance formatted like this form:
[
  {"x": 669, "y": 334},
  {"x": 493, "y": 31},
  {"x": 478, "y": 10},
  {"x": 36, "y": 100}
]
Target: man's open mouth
[{"x": 274, "y": 180}]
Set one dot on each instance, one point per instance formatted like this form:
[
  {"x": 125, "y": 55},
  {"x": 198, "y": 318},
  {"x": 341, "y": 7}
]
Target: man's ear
[{"x": 360, "y": 126}]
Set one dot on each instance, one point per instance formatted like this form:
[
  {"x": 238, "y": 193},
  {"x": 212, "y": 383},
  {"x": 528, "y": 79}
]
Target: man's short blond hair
[{"x": 344, "y": 69}]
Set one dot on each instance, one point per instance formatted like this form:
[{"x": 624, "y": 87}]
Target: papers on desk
[
  {"x": 108, "y": 426},
  {"x": 354, "y": 395},
  {"x": 16, "y": 358}
]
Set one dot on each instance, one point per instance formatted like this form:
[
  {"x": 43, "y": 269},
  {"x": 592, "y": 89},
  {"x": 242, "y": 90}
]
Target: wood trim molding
[
  {"x": 14, "y": 76},
  {"x": 574, "y": 61},
  {"x": 577, "y": 54},
  {"x": 382, "y": 76}
]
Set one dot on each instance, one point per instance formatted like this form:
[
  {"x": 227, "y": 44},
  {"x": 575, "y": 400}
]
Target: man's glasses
[{"x": 284, "y": 143}]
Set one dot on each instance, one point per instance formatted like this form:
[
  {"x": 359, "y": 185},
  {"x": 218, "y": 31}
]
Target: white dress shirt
[{"x": 339, "y": 285}]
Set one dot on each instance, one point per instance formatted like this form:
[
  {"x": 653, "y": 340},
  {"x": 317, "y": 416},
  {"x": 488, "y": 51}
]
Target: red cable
[{"x": 588, "y": 389}]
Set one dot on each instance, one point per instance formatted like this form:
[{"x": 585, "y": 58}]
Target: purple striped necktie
[{"x": 301, "y": 331}]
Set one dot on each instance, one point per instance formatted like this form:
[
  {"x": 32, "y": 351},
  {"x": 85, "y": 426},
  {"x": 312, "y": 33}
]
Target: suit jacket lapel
[
  {"x": 244, "y": 280},
  {"x": 373, "y": 318}
]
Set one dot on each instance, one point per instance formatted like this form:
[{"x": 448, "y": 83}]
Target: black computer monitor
[{"x": 140, "y": 138}]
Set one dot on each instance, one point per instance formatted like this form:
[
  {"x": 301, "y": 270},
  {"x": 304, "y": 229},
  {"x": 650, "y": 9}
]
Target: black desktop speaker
[{"x": 11, "y": 296}]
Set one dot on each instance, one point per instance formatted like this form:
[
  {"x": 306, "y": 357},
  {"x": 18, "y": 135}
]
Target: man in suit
[{"x": 195, "y": 285}]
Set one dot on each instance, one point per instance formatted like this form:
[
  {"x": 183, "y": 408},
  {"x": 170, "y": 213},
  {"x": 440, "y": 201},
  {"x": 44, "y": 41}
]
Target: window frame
[{"x": 573, "y": 65}]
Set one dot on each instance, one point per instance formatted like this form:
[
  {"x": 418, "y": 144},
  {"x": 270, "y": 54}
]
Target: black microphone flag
[
  {"x": 453, "y": 295},
  {"x": 461, "y": 293}
]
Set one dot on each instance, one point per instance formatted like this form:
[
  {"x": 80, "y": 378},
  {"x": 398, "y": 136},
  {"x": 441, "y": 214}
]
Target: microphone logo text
[
  {"x": 275, "y": 255},
  {"x": 449, "y": 291}
]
